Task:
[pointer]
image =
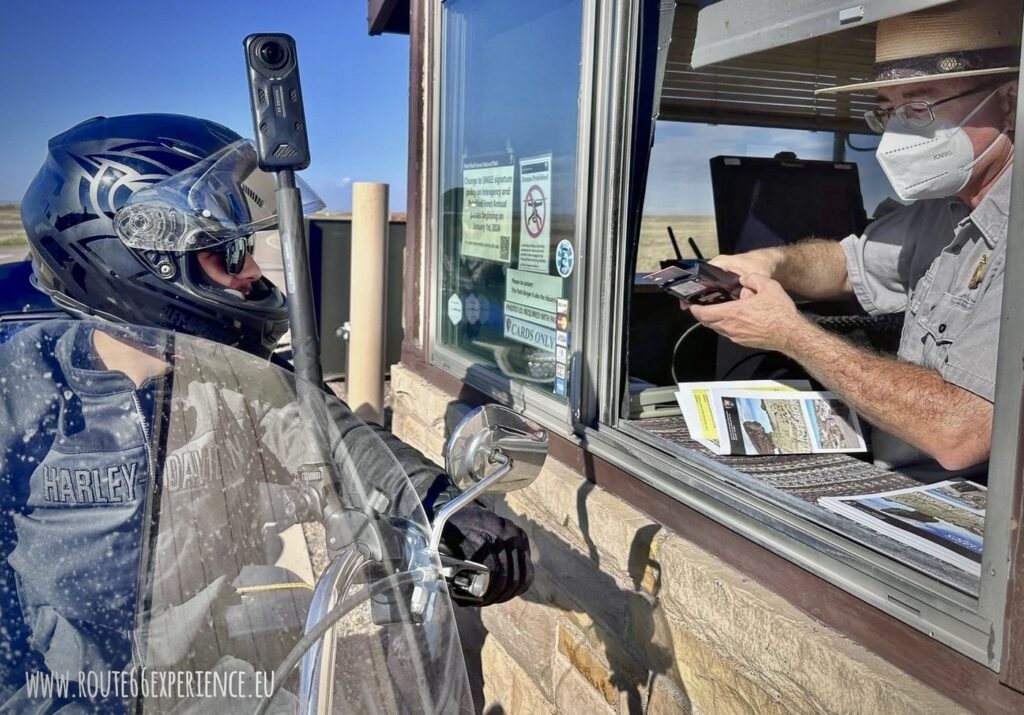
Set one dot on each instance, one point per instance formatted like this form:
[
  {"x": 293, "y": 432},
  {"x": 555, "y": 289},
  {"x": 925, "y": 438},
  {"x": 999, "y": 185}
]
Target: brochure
[
  {"x": 946, "y": 519},
  {"x": 763, "y": 422},
  {"x": 695, "y": 403}
]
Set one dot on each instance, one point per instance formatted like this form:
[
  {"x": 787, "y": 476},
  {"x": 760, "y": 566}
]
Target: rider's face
[{"x": 212, "y": 263}]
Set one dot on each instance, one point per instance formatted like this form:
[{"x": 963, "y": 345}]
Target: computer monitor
[{"x": 763, "y": 202}]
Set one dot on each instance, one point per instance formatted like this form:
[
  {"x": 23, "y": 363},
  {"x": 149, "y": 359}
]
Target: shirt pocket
[
  {"x": 940, "y": 328},
  {"x": 915, "y": 297}
]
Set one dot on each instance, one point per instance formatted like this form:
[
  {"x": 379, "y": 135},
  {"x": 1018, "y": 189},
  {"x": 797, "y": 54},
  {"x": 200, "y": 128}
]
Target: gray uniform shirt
[{"x": 943, "y": 264}]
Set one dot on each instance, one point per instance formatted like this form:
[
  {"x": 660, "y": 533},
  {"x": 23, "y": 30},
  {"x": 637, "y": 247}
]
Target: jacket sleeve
[
  {"x": 385, "y": 462},
  {"x": 430, "y": 482}
]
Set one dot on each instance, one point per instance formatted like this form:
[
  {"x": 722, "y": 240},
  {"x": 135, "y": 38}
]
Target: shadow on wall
[{"x": 606, "y": 629}]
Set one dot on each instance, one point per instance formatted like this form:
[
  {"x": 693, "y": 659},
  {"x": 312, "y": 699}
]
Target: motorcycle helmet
[{"x": 121, "y": 208}]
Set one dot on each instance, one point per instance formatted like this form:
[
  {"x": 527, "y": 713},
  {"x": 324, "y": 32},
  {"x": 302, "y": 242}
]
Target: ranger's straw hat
[{"x": 959, "y": 39}]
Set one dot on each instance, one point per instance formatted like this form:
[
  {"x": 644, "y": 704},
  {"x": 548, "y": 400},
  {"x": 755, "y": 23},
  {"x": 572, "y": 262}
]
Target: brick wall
[{"x": 628, "y": 617}]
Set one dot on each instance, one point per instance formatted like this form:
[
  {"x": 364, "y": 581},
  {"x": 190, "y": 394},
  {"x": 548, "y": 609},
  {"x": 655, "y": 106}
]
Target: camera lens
[{"x": 273, "y": 54}]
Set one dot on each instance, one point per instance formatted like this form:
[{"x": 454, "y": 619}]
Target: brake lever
[{"x": 467, "y": 580}]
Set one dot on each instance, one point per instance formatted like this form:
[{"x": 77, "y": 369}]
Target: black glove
[{"x": 480, "y": 535}]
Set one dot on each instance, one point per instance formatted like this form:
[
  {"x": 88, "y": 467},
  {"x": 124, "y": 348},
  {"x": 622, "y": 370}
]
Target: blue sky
[{"x": 71, "y": 60}]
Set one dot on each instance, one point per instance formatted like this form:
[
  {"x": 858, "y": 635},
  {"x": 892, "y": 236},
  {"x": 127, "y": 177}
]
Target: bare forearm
[
  {"x": 813, "y": 269},
  {"x": 909, "y": 401}
]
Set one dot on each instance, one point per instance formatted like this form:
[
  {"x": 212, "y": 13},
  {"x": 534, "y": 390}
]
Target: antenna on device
[{"x": 675, "y": 245}]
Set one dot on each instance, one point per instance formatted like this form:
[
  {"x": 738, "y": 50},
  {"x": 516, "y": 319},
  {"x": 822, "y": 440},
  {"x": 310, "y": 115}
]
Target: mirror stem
[{"x": 463, "y": 499}]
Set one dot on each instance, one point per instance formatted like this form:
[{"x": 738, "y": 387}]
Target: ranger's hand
[
  {"x": 764, "y": 317},
  {"x": 763, "y": 261},
  {"x": 480, "y": 535}
]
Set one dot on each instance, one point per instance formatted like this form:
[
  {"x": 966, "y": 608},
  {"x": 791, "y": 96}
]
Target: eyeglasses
[
  {"x": 913, "y": 115},
  {"x": 235, "y": 252}
]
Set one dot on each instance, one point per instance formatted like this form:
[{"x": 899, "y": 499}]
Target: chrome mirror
[
  {"x": 491, "y": 450},
  {"x": 488, "y": 436}
]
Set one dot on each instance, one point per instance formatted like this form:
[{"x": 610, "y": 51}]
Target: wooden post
[{"x": 365, "y": 371}]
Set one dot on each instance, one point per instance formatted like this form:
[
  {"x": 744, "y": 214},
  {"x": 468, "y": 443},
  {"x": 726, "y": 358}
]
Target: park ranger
[{"x": 946, "y": 90}]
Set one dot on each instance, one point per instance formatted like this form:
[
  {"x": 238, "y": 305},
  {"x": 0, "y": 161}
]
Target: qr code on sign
[{"x": 505, "y": 252}]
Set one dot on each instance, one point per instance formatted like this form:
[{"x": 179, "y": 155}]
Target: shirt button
[{"x": 942, "y": 328}]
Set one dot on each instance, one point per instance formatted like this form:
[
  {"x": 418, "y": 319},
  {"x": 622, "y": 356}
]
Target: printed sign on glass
[
  {"x": 534, "y": 315},
  {"x": 565, "y": 258},
  {"x": 529, "y": 333},
  {"x": 487, "y": 209},
  {"x": 535, "y": 213},
  {"x": 455, "y": 309},
  {"x": 533, "y": 289}
]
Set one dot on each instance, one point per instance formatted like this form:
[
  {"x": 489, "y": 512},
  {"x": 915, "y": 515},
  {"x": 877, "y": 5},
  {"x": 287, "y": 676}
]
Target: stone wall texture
[{"x": 626, "y": 616}]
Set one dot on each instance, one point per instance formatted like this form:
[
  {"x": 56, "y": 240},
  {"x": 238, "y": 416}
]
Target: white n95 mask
[{"x": 931, "y": 162}]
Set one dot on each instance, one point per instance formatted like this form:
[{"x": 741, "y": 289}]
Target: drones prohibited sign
[
  {"x": 535, "y": 210},
  {"x": 534, "y": 213}
]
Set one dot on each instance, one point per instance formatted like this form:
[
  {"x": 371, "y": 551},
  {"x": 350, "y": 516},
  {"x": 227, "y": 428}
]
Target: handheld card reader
[{"x": 697, "y": 282}]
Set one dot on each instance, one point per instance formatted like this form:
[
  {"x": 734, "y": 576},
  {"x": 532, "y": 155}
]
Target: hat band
[{"x": 947, "y": 63}]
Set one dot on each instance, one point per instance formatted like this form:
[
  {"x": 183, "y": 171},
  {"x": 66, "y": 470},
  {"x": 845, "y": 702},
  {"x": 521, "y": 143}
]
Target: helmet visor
[{"x": 221, "y": 198}]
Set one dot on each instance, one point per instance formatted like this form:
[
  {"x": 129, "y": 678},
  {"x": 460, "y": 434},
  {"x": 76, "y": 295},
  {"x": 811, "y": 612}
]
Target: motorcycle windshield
[{"x": 188, "y": 529}]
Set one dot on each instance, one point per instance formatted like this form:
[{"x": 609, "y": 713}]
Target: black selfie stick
[
  {"x": 282, "y": 147},
  {"x": 298, "y": 281}
]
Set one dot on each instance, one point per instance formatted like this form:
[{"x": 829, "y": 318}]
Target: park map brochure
[
  {"x": 946, "y": 519},
  {"x": 768, "y": 417}
]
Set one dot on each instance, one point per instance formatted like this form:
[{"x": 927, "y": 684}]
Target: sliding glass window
[{"x": 508, "y": 156}]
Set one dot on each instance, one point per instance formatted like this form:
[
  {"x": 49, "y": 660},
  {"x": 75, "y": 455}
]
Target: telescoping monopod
[{"x": 282, "y": 147}]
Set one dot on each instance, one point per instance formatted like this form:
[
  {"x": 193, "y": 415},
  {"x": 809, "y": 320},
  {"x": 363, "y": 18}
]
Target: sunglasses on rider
[{"x": 236, "y": 251}]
